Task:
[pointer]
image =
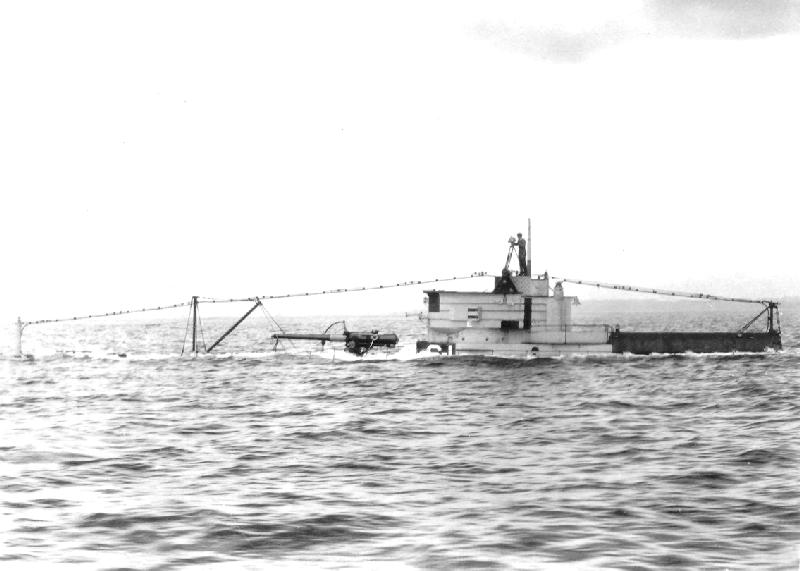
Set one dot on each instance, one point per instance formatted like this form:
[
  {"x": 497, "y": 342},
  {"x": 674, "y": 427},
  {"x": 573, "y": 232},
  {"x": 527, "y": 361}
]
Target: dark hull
[{"x": 674, "y": 342}]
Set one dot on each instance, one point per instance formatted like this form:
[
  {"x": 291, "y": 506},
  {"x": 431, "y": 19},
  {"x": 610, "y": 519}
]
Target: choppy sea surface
[{"x": 260, "y": 459}]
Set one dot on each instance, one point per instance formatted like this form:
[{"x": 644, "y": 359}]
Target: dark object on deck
[
  {"x": 503, "y": 283},
  {"x": 675, "y": 342},
  {"x": 356, "y": 342}
]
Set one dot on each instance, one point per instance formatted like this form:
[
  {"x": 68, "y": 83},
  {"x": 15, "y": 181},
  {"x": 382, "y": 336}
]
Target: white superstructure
[{"x": 521, "y": 317}]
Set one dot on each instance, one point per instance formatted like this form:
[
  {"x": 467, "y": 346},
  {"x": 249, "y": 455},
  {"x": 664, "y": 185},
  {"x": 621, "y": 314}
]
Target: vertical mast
[
  {"x": 194, "y": 325},
  {"x": 20, "y": 328},
  {"x": 530, "y": 247}
]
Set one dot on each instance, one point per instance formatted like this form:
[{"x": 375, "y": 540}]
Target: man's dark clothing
[{"x": 523, "y": 256}]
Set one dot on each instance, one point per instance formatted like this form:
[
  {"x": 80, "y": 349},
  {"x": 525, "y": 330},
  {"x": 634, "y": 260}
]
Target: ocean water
[{"x": 260, "y": 459}]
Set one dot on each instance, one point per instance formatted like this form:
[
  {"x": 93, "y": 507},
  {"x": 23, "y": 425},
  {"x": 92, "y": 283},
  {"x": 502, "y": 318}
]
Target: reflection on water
[{"x": 298, "y": 459}]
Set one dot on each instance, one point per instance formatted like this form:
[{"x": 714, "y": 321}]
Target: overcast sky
[{"x": 150, "y": 151}]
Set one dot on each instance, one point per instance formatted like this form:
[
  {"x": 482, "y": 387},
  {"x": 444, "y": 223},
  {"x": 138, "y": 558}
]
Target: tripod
[{"x": 512, "y": 249}]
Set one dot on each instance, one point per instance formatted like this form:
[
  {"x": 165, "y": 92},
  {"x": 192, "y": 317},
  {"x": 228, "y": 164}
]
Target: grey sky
[
  {"x": 553, "y": 44},
  {"x": 725, "y": 18},
  {"x": 702, "y": 19},
  {"x": 163, "y": 150}
]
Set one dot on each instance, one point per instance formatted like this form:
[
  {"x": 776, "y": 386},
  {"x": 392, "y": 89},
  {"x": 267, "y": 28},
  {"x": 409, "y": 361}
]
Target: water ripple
[{"x": 273, "y": 460}]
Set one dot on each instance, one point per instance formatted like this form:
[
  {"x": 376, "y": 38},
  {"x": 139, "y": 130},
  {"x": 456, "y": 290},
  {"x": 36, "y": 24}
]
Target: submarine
[
  {"x": 521, "y": 316},
  {"x": 524, "y": 317}
]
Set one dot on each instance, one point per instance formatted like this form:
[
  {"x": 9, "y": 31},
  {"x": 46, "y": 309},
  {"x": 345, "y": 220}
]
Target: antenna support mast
[
  {"x": 530, "y": 247},
  {"x": 194, "y": 324}
]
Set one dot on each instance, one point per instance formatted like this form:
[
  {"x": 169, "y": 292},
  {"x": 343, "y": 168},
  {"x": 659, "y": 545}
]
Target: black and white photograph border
[{"x": 418, "y": 285}]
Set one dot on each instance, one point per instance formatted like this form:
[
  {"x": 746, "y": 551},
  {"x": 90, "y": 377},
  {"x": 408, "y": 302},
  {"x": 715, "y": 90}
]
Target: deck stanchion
[
  {"x": 20, "y": 329},
  {"x": 194, "y": 325}
]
